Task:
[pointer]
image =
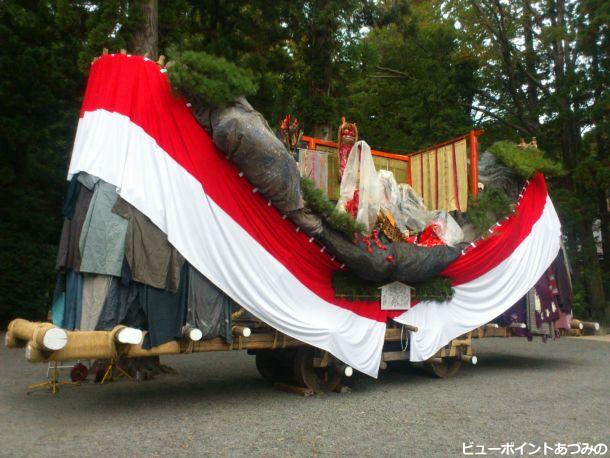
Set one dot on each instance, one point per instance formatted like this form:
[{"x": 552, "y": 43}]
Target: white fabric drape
[{"x": 479, "y": 301}]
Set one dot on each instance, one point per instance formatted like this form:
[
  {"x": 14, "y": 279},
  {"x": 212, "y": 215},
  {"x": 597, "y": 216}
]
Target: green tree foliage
[
  {"x": 39, "y": 94},
  {"x": 318, "y": 202},
  {"x": 525, "y": 161},
  {"x": 252, "y": 35},
  {"x": 213, "y": 80},
  {"x": 348, "y": 286},
  {"x": 46, "y": 50},
  {"x": 490, "y": 207},
  {"x": 543, "y": 72},
  {"x": 414, "y": 86}
]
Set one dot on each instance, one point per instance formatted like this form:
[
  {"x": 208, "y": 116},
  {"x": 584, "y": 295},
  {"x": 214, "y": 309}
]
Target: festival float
[{"x": 190, "y": 228}]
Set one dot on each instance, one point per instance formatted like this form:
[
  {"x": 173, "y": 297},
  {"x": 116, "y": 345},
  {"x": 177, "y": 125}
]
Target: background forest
[{"x": 410, "y": 73}]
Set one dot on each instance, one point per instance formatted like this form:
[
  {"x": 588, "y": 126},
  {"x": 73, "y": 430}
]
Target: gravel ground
[{"x": 520, "y": 391}]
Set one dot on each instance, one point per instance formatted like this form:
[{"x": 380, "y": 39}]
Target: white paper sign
[{"x": 395, "y": 296}]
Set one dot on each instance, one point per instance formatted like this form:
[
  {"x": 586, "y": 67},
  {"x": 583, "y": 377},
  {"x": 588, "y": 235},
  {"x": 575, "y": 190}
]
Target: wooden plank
[{"x": 395, "y": 356}]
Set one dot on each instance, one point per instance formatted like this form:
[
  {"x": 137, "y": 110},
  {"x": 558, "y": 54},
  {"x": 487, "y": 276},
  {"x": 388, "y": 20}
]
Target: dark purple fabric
[
  {"x": 515, "y": 314},
  {"x": 545, "y": 288},
  {"x": 564, "y": 297}
]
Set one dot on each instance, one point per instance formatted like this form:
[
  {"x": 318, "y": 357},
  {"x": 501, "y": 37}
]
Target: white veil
[{"x": 360, "y": 174}]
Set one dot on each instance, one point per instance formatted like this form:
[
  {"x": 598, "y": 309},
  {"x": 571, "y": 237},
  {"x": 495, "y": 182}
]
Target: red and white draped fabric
[
  {"x": 136, "y": 134},
  {"x": 491, "y": 276}
]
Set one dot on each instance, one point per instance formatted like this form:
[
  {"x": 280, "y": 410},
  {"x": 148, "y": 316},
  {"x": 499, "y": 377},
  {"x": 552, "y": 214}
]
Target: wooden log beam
[
  {"x": 517, "y": 325},
  {"x": 470, "y": 359},
  {"x": 47, "y": 336},
  {"x": 241, "y": 331},
  {"x": 460, "y": 342},
  {"x": 325, "y": 361},
  {"x": 192, "y": 333},
  {"x": 395, "y": 334},
  {"x": 81, "y": 345},
  {"x": 577, "y": 324},
  {"x": 168, "y": 348},
  {"x": 127, "y": 335},
  {"x": 594, "y": 326},
  {"x": 254, "y": 342}
]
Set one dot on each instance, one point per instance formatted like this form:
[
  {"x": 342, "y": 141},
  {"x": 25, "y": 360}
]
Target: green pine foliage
[
  {"x": 209, "y": 79},
  {"x": 348, "y": 286},
  {"x": 319, "y": 203},
  {"x": 491, "y": 206},
  {"x": 525, "y": 161}
]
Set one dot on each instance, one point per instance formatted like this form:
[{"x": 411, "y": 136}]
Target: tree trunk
[
  {"x": 605, "y": 226},
  {"x": 593, "y": 279},
  {"x": 145, "y": 41},
  {"x": 603, "y": 149},
  {"x": 571, "y": 145},
  {"x": 530, "y": 64}
]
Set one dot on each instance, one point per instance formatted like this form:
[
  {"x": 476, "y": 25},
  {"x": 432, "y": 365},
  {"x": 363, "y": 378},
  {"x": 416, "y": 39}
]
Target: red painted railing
[{"x": 473, "y": 145}]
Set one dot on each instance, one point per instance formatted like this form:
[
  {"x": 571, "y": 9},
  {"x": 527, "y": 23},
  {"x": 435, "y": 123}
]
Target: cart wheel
[
  {"x": 274, "y": 365},
  {"x": 318, "y": 379},
  {"x": 445, "y": 369}
]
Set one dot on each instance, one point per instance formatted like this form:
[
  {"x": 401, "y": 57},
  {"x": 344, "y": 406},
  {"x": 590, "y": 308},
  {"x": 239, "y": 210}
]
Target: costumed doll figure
[{"x": 347, "y": 135}]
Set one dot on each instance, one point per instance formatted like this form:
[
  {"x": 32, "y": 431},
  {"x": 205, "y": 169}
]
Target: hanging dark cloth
[
  {"x": 564, "y": 296},
  {"x": 74, "y": 299},
  {"x": 546, "y": 290},
  {"x": 58, "y": 307},
  {"x": 71, "y": 196},
  {"x": 102, "y": 240},
  {"x": 165, "y": 312},
  {"x": 119, "y": 300},
  {"x": 535, "y": 325},
  {"x": 515, "y": 314},
  {"x": 152, "y": 259},
  {"x": 135, "y": 316},
  {"x": 68, "y": 254},
  {"x": 208, "y": 308}
]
